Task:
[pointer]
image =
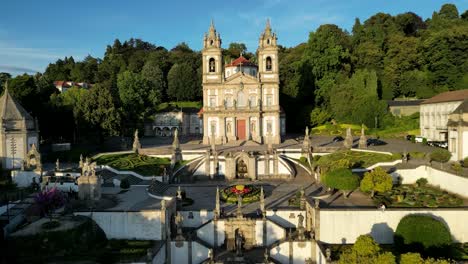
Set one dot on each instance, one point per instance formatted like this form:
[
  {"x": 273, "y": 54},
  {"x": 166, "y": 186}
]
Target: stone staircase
[{"x": 158, "y": 188}]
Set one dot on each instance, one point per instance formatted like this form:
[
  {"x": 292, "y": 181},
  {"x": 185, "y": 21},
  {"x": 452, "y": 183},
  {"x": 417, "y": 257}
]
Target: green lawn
[
  {"x": 173, "y": 105},
  {"x": 356, "y": 158},
  {"x": 418, "y": 196},
  {"x": 141, "y": 164}
]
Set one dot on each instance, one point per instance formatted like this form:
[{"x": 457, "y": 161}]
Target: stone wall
[
  {"x": 286, "y": 218},
  {"x": 195, "y": 218},
  {"x": 297, "y": 252},
  {"x": 24, "y": 178},
  {"x": 144, "y": 225},
  {"x": 343, "y": 226}
]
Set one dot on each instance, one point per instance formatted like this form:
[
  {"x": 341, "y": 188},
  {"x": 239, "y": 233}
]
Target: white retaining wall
[
  {"x": 286, "y": 218},
  {"x": 143, "y": 225},
  {"x": 160, "y": 256},
  {"x": 180, "y": 254},
  {"x": 198, "y": 218},
  {"x": 301, "y": 251},
  {"x": 447, "y": 181},
  {"x": 24, "y": 178},
  {"x": 344, "y": 226}
]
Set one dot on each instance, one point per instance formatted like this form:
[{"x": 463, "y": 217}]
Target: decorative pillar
[
  {"x": 362, "y": 139},
  {"x": 207, "y": 162},
  {"x": 275, "y": 163},
  {"x": 267, "y": 163},
  {"x": 348, "y": 142}
]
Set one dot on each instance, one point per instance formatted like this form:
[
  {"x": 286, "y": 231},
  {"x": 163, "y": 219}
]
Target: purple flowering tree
[{"x": 49, "y": 200}]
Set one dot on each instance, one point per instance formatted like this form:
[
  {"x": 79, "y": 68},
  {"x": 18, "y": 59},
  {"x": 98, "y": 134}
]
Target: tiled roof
[
  {"x": 404, "y": 102},
  {"x": 452, "y": 96},
  {"x": 238, "y": 61},
  {"x": 10, "y": 109}
]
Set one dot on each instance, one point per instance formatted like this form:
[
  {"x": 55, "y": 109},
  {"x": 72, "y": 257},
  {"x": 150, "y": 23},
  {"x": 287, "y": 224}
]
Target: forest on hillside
[{"x": 335, "y": 75}]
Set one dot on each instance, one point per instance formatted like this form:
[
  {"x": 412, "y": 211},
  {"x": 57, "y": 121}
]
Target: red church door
[{"x": 241, "y": 129}]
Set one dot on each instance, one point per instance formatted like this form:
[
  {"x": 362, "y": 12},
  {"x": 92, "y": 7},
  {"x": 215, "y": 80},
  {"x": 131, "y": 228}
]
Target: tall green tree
[
  {"x": 182, "y": 82},
  {"x": 378, "y": 180}
]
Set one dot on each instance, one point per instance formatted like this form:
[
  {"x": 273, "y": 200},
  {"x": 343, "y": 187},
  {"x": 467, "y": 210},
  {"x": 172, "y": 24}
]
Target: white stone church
[{"x": 241, "y": 99}]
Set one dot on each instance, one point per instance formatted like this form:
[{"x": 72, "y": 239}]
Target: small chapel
[
  {"x": 19, "y": 132},
  {"x": 241, "y": 99}
]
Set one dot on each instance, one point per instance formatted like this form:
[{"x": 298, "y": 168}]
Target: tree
[
  {"x": 181, "y": 82},
  {"x": 422, "y": 234},
  {"x": 366, "y": 250},
  {"x": 377, "y": 180},
  {"x": 152, "y": 73},
  {"x": 441, "y": 155},
  {"x": 449, "y": 11},
  {"x": 99, "y": 109},
  {"x": 23, "y": 88},
  {"x": 4, "y": 77},
  {"x": 137, "y": 94},
  {"x": 236, "y": 49},
  {"x": 415, "y": 258},
  {"x": 342, "y": 179}
]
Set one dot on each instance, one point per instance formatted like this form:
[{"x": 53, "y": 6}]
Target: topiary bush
[
  {"x": 423, "y": 234},
  {"x": 441, "y": 155},
  {"x": 125, "y": 184},
  {"x": 421, "y": 182},
  {"x": 342, "y": 179}
]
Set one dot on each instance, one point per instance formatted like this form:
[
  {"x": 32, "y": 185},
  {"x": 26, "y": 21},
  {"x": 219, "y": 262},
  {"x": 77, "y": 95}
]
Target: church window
[
  {"x": 213, "y": 128},
  {"x": 229, "y": 101},
  {"x": 268, "y": 41},
  {"x": 212, "y": 101},
  {"x": 269, "y": 127},
  {"x": 253, "y": 100},
  {"x": 268, "y": 64},
  {"x": 212, "y": 65},
  {"x": 241, "y": 99},
  {"x": 211, "y": 42},
  {"x": 269, "y": 99}
]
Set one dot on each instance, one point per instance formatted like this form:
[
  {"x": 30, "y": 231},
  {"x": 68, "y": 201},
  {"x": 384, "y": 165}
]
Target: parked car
[
  {"x": 440, "y": 144},
  {"x": 375, "y": 142},
  {"x": 338, "y": 139},
  {"x": 419, "y": 139}
]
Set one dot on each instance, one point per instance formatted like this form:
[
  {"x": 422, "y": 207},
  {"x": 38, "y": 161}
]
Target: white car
[{"x": 418, "y": 139}]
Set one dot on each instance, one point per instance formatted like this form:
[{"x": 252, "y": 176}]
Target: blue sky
[{"x": 34, "y": 33}]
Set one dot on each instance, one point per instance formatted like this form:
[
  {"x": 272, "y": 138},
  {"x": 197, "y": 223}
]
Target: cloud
[
  {"x": 15, "y": 69},
  {"x": 34, "y": 53}
]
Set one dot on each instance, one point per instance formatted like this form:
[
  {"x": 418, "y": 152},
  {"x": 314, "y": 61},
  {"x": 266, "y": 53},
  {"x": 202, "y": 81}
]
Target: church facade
[{"x": 241, "y": 99}]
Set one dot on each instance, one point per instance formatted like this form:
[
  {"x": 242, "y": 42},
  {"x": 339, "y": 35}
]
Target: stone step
[{"x": 158, "y": 188}]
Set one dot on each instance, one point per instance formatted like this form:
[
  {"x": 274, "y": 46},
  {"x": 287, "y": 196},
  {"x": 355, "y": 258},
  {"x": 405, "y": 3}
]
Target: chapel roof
[
  {"x": 241, "y": 60},
  {"x": 10, "y": 109},
  {"x": 451, "y": 96}
]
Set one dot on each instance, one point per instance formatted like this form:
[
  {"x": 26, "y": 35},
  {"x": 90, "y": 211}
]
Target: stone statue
[
  {"x": 57, "y": 165},
  {"x": 262, "y": 202},
  {"x": 228, "y": 127},
  {"x": 178, "y": 221},
  {"x": 136, "y": 142},
  {"x": 179, "y": 193},
  {"x": 265, "y": 257},
  {"x": 300, "y": 221},
  {"x": 348, "y": 142},
  {"x": 217, "y": 205},
  {"x": 317, "y": 203},
  {"x": 210, "y": 255},
  {"x": 239, "y": 240},
  {"x": 363, "y": 139}
]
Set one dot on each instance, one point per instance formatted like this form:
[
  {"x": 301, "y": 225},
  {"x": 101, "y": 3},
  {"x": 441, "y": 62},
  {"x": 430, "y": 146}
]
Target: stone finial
[
  {"x": 176, "y": 143},
  {"x": 218, "y": 205},
  {"x": 348, "y": 142},
  {"x": 302, "y": 201},
  {"x": 262, "y": 202},
  {"x": 57, "y": 165},
  {"x": 266, "y": 257},
  {"x": 136, "y": 142},
  {"x": 81, "y": 161},
  {"x": 179, "y": 193},
  {"x": 363, "y": 139},
  {"x": 239, "y": 207},
  {"x": 163, "y": 205}
]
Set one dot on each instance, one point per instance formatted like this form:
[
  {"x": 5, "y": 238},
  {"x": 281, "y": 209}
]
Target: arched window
[
  {"x": 268, "y": 41},
  {"x": 211, "y": 42},
  {"x": 212, "y": 65},
  {"x": 268, "y": 64}
]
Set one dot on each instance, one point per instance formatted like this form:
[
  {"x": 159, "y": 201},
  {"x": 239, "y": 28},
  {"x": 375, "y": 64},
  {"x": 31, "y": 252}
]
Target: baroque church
[{"x": 241, "y": 99}]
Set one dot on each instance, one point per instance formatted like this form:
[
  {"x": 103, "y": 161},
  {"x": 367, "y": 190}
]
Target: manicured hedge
[
  {"x": 441, "y": 155},
  {"x": 423, "y": 234},
  {"x": 341, "y": 179}
]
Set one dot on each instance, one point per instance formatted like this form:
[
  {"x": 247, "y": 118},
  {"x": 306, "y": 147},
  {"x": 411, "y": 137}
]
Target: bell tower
[
  {"x": 212, "y": 56},
  {"x": 267, "y": 54}
]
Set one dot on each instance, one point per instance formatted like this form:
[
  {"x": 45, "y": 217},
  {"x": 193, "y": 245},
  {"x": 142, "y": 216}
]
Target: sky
[{"x": 35, "y": 33}]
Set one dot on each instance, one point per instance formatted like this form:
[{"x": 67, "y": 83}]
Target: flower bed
[
  {"x": 418, "y": 196},
  {"x": 249, "y": 193}
]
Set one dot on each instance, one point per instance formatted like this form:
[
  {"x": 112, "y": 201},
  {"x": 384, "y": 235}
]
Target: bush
[
  {"x": 421, "y": 182},
  {"x": 465, "y": 162},
  {"x": 423, "y": 234},
  {"x": 424, "y": 141},
  {"x": 413, "y": 139},
  {"x": 125, "y": 184},
  {"x": 457, "y": 167},
  {"x": 341, "y": 179},
  {"x": 377, "y": 180},
  {"x": 417, "y": 155},
  {"x": 441, "y": 155}
]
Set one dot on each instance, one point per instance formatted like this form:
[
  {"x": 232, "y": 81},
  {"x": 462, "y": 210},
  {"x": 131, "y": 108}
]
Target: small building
[
  {"x": 404, "y": 107},
  {"x": 458, "y": 132},
  {"x": 186, "y": 120},
  {"x": 434, "y": 114},
  {"x": 19, "y": 131}
]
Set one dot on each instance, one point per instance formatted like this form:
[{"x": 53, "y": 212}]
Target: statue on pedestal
[
  {"x": 136, "y": 142},
  {"x": 348, "y": 142},
  {"x": 362, "y": 139},
  {"x": 239, "y": 241}
]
